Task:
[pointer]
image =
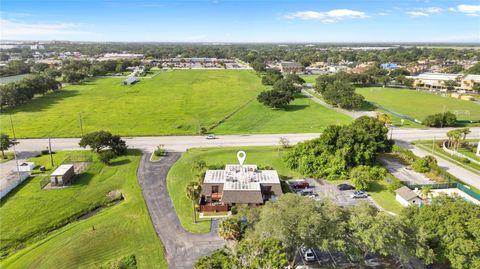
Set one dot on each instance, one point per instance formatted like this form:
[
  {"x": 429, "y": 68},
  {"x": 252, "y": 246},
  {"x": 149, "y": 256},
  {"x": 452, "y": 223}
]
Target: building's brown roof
[
  {"x": 406, "y": 193},
  {"x": 242, "y": 197}
]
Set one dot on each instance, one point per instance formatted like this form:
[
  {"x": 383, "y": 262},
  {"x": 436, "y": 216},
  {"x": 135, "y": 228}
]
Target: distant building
[
  {"x": 130, "y": 81},
  {"x": 63, "y": 175},
  {"x": 469, "y": 81},
  {"x": 238, "y": 185},
  {"x": 117, "y": 56},
  {"x": 433, "y": 80},
  {"x": 290, "y": 67},
  {"x": 389, "y": 66},
  {"x": 338, "y": 68},
  {"x": 406, "y": 197}
]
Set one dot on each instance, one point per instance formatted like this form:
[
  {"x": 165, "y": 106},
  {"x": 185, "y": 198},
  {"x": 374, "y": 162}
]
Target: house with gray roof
[{"x": 406, "y": 197}]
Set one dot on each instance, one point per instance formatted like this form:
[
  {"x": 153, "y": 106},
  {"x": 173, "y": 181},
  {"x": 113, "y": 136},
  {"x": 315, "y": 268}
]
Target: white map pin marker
[{"x": 241, "y": 155}]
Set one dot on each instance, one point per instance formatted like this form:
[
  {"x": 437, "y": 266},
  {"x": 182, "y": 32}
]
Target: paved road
[
  {"x": 182, "y": 247},
  {"x": 457, "y": 171},
  {"x": 182, "y": 143},
  {"x": 401, "y": 172}
]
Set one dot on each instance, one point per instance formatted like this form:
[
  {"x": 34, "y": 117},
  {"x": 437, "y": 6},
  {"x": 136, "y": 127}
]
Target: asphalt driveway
[{"x": 182, "y": 248}]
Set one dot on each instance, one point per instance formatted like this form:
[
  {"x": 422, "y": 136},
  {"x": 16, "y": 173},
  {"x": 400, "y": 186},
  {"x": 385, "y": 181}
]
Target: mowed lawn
[
  {"x": 173, "y": 102},
  {"x": 115, "y": 232},
  {"x": 301, "y": 116},
  {"x": 181, "y": 174},
  {"x": 418, "y": 104}
]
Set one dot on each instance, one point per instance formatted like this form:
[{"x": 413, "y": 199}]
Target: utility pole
[
  {"x": 14, "y": 149},
  {"x": 50, "y": 150},
  {"x": 433, "y": 146},
  {"x": 81, "y": 122}
]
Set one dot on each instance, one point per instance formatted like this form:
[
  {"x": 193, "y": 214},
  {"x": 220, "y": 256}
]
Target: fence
[
  {"x": 457, "y": 185},
  {"x": 395, "y": 113}
]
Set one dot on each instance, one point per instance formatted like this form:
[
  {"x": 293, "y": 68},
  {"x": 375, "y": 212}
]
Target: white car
[
  {"x": 210, "y": 137},
  {"x": 309, "y": 256},
  {"x": 359, "y": 194}
]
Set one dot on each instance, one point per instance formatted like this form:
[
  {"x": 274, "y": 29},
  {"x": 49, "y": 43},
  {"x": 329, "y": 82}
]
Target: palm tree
[
  {"x": 193, "y": 191},
  {"x": 426, "y": 191},
  {"x": 230, "y": 229}
]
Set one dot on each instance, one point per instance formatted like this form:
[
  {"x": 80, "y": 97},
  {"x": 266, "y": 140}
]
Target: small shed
[
  {"x": 406, "y": 197},
  {"x": 26, "y": 167},
  {"x": 130, "y": 81},
  {"x": 63, "y": 175}
]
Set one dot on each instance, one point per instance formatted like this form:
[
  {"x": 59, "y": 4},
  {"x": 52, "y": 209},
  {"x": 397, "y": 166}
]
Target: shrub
[
  {"x": 441, "y": 120},
  {"x": 160, "y": 151},
  {"x": 425, "y": 164},
  {"x": 106, "y": 156},
  {"x": 465, "y": 160},
  {"x": 127, "y": 262},
  {"x": 45, "y": 152},
  {"x": 234, "y": 210}
]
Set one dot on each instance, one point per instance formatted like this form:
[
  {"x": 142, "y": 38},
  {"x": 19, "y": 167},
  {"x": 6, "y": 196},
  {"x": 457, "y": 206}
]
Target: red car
[{"x": 301, "y": 184}]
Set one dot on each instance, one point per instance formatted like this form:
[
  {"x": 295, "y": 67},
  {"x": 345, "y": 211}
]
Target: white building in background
[{"x": 406, "y": 197}]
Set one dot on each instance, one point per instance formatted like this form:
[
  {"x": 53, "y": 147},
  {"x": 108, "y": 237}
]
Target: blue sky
[{"x": 242, "y": 21}]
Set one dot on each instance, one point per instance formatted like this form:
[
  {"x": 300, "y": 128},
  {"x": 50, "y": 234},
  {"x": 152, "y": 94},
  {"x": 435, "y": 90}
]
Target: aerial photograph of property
[{"x": 232, "y": 134}]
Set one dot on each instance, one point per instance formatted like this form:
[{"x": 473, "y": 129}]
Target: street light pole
[
  {"x": 14, "y": 149},
  {"x": 81, "y": 122},
  {"x": 50, "y": 150}
]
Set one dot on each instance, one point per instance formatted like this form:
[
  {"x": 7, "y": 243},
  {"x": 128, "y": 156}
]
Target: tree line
[
  {"x": 444, "y": 232},
  {"x": 20, "y": 92}
]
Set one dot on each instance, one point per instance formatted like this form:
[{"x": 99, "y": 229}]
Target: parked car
[
  {"x": 210, "y": 137},
  {"x": 344, "y": 187},
  {"x": 307, "y": 192},
  {"x": 300, "y": 184},
  {"x": 359, "y": 194},
  {"x": 308, "y": 255}
]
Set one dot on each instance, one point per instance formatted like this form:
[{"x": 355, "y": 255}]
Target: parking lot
[{"x": 323, "y": 189}]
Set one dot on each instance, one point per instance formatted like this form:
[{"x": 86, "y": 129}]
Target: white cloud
[
  {"x": 12, "y": 29},
  {"x": 328, "y": 16},
  {"x": 471, "y": 10},
  {"x": 424, "y": 12},
  {"x": 417, "y": 14}
]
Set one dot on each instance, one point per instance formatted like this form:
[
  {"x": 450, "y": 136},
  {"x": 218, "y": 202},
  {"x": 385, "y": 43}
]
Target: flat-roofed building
[
  {"x": 239, "y": 184},
  {"x": 433, "y": 80},
  {"x": 63, "y": 175},
  {"x": 469, "y": 81}
]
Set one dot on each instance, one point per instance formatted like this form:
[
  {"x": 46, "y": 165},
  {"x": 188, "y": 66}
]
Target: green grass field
[
  {"x": 301, "y": 116},
  {"x": 120, "y": 230},
  {"x": 181, "y": 174},
  {"x": 420, "y": 104},
  {"x": 310, "y": 78},
  {"x": 178, "y": 102}
]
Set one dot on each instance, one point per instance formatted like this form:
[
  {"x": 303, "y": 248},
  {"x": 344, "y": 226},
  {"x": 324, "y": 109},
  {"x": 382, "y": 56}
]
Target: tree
[
  {"x": 101, "y": 139},
  {"x": 230, "y": 229},
  {"x": 426, "y": 192},
  {"x": 441, "y": 120},
  {"x": 340, "y": 148},
  {"x": 284, "y": 85},
  {"x": 295, "y": 79},
  {"x": 284, "y": 142},
  {"x": 6, "y": 143},
  {"x": 248, "y": 254},
  {"x": 363, "y": 176},
  {"x": 425, "y": 164},
  {"x": 343, "y": 95},
  {"x": 271, "y": 76},
  {"x": 385, "y": 118},
  {"x": 275, "y": 99},
  {"x": 299, "y": 221},
  {"x": 96, "y": 140},
  {"x": 371, "y": 231},
  {"x": 445, "y": 232},
  {"x": 193, "y": 191}
]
